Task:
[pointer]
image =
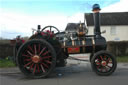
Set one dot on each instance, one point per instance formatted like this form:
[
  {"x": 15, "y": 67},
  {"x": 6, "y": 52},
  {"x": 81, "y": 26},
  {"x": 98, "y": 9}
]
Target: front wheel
[
  {"x": 103, "y": 63},
  {"x": 36, "y": 58},
  {"x": 91, "y": 55}
]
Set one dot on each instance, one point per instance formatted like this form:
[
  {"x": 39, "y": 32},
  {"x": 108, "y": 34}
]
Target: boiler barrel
[{"x": 88, "y": 45}]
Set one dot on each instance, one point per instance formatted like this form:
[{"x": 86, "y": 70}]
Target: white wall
[{"x": 121, "y": 32}]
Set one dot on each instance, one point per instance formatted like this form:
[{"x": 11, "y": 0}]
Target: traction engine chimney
[{"x": 96, "y": 16}]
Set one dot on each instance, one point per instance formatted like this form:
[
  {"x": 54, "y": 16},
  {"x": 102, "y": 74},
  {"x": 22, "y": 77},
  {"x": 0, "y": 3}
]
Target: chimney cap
[{"x": 96, "y": 7}]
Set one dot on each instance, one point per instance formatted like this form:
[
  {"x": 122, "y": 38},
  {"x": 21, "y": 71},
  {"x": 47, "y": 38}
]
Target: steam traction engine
[{"x": 46, "y": 50}]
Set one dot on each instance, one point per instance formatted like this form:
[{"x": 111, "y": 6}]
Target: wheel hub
[
  {"x": 36, "y": 58},
  {"x": 103, "y": 63}
]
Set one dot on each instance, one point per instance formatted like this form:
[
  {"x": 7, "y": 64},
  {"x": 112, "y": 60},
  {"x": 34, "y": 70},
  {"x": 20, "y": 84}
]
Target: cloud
[
  {"x": 121, "y": 6},
  {"x": 76, "y": 18},
  {"x": 15, "y": 23}
]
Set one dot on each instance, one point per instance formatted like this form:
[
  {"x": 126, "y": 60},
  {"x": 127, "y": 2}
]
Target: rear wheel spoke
[
  {"x": 31, "y": 66},
  {"x": 27, "y": 59},
  {"x": 30, "y": 48},
  {"x": 46, "y": 53},
  {"x": 46, "y": 57},
  {"x": 48, "y": 61},
  {"x": 29, "y": 53},
  {"x": 38, "y": 68},
  {"x": 42, "y": 68},
  {"x": 35, "y": 49},
  {"x": 44, "y": 65},
  {"x": 27, "y": 64},
  {"x": 42, "y": 51},
  {"x": 39, "y": 48},
  {"x": 34, "y": 69},
  {"x": 25, "y": 55}
]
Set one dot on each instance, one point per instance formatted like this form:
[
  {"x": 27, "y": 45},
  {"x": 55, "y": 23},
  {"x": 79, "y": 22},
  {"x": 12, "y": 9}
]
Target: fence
[{"x": 6, "y": 50}]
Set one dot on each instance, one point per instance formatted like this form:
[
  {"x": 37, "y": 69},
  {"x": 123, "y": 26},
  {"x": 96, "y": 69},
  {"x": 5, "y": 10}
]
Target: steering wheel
[{"x": 51, "y": 27}]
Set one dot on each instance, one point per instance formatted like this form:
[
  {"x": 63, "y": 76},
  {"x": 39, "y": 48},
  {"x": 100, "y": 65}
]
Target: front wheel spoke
[
  {"x": 42, "y": 68},
  {"x": 101, "y": 58},
  {"x": 108, "y": 59},
  {"x": 109, "y": 66},
  {"x": 110, "y": 62},
  {"x": 27, "y": 64},
  {"x": 106, "y": 69},
  {"x": 98, "y": 66},
  {"x": 105, "y": 57},
  {"x": 101, "y": 69},
  {"x": 98, "y": 63}
]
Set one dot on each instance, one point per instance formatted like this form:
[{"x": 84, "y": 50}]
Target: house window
[{"x": 113, "y": 30}]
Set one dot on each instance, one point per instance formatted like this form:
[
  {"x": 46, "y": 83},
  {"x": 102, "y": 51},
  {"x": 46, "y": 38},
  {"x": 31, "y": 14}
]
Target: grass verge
[
  {"x": 123, "y": 59},
  {"x": 6, "y": 63}
]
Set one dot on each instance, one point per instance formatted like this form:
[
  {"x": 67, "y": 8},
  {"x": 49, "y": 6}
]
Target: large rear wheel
[{"x": 36, "y": 58}]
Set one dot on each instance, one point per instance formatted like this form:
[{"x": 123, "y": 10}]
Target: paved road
[{"x": 75, "y": 73}]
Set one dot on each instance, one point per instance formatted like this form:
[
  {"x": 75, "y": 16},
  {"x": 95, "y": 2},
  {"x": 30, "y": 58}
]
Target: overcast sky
[{"x": 18, "y": 17}]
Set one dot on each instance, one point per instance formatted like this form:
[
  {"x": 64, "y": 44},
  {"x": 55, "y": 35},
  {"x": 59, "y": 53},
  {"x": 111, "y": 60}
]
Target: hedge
[{"x": 119, "y": 48}]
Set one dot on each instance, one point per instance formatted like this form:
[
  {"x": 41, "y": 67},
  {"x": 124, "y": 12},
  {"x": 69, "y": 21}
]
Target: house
[{"x": 115, "y": 24}]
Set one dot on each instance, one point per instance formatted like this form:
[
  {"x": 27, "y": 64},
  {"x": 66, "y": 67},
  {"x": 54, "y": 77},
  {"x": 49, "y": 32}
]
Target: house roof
[
  {"x": 116, "y": 18},
  {"x": 72, "y": 26}
]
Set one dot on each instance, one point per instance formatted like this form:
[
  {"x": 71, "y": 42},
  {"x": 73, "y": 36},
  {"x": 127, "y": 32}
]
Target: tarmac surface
[{"x": 75, "y": 73}]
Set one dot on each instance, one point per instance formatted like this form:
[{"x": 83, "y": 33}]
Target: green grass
[
  {"x": 6, "y": 63},
  {"x": 123, "y": 59}
]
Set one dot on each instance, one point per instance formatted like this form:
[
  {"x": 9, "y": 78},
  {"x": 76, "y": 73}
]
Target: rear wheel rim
[{"x": 36, "y": 59}]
